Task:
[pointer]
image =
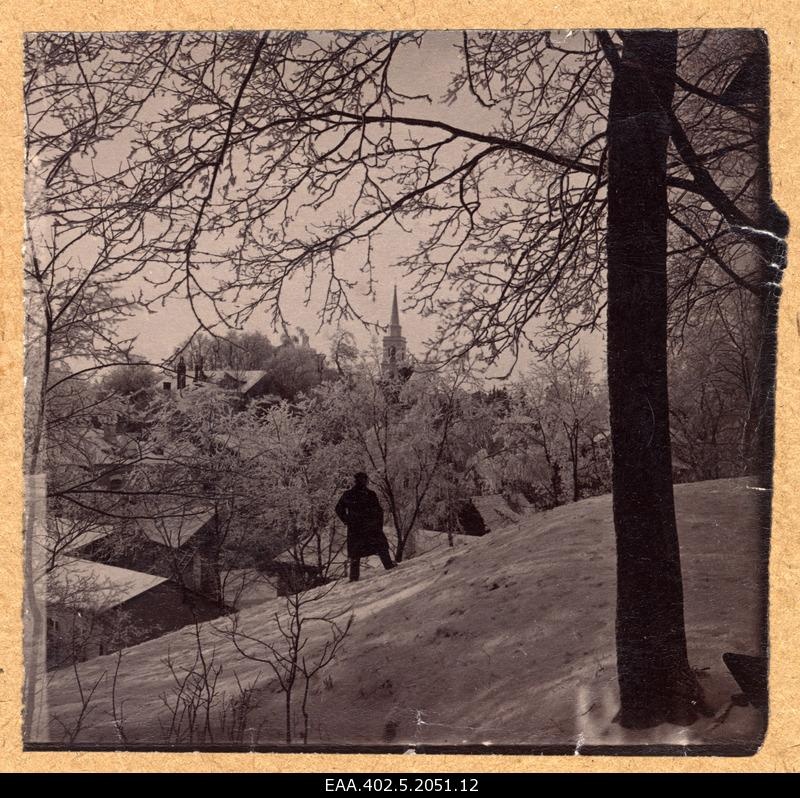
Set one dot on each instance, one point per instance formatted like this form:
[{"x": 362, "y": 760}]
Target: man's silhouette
[{"x": 362, "y": 514}]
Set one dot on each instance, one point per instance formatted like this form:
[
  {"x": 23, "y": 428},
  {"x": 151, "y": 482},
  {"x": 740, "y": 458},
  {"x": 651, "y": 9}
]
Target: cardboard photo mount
[{"x": 781, "y": 21}]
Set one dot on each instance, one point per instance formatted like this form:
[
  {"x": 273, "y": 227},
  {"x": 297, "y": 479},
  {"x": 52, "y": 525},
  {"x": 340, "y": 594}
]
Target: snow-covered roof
[
  {"x": 62, "y": 534},
  {"x": 97, "y": 448},
  {"x": 176, "y": 526},
  {"x": 495, "y": 510},
  {"x": 246, "y": 378},
  {"x": 84, "y": 538},
  {"x": 95, "y": 586}
]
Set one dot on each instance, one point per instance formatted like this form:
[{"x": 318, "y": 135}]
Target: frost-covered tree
[
  {"x": 416, "y": 438},
  {"x": 567, "y": 181}
]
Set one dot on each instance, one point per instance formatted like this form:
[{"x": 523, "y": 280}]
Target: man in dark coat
[{"x": 362, "y": 514}]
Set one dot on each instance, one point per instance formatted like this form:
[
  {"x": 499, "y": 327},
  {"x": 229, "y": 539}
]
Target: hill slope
[{"x": 506, "y": 639}]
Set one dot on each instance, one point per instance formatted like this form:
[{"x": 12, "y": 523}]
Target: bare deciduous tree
[
  {"x": 603, "y": 174},
  {"x": 307, "y": 637}
]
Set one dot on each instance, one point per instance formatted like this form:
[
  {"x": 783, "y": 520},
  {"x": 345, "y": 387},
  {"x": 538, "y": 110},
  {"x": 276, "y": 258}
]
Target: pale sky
[{"x": 428, "y": 69}]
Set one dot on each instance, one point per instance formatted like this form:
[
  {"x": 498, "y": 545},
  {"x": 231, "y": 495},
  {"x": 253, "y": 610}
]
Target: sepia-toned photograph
[{"x": 399, "y": 391}]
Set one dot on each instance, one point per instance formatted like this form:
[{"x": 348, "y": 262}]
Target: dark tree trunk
[{"x": 655, "y": 680}]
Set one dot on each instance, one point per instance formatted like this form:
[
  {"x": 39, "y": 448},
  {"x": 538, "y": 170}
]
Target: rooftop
[
  {"x": 246, "y": 378},
  {"x": 174, "y": 526},
  {"x": 63, "y": 534},
  {"x": 95, "y": 586}
]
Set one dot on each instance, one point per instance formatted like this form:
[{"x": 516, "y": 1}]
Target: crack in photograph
[{"x": 399, "y": 390}]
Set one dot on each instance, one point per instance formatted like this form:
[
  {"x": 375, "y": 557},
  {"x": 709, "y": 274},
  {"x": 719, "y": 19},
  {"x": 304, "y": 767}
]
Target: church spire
[
  {"x": 395, "y": 322},
  {"x": 394, "y": 344},
  {"x": 395, "y": 330}
]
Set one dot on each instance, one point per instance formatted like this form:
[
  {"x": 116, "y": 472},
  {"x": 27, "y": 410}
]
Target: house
[
  {"x": 248, "y": 383},
  {"x": 495, "y": 511},
  {"x": 95, "y": 609},
  {"x": 66, "y": 536},
  {"x": 176, "y": 541},
  {"x": 104, "y": 452},
  {"x": 241, "y": 385},
  {"x": 479, "y": 515}
]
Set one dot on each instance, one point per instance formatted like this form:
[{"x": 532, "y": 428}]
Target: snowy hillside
[{"x": 506, "y": 639}]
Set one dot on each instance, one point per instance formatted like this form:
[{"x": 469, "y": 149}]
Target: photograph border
[{"x": 781, "y": 21}]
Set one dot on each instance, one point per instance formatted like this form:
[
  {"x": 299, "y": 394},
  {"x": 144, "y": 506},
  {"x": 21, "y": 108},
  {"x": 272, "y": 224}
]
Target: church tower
[{"x": 394, "y": 345}]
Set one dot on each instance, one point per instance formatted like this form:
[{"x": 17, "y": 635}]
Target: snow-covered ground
[{"x": 506, "y": 639}]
